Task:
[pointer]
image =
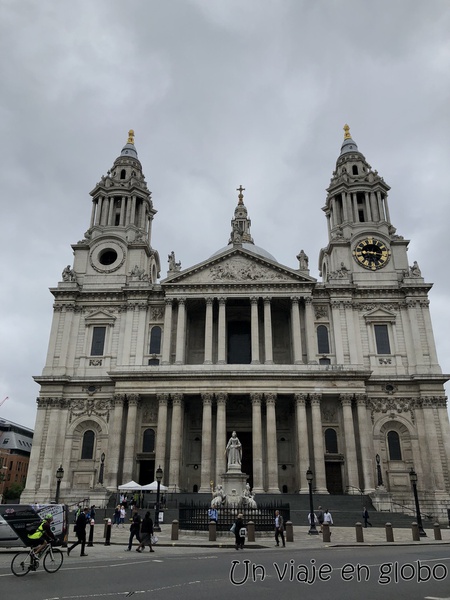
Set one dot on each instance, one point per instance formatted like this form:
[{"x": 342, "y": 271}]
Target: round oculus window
[{"x": 107, "y": 257}]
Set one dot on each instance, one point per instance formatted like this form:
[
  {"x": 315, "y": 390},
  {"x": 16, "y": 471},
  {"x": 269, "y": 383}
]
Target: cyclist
[{"x": 42, "y": 536}]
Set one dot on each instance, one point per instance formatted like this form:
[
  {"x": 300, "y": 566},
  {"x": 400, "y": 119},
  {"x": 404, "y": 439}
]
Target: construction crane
[{"x": 4, "y": 400}]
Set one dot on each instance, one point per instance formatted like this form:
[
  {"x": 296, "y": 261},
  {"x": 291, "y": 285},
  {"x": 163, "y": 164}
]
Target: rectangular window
[
  {"x": 382, "y": 339},
  {"x": 98, "y": 341}
]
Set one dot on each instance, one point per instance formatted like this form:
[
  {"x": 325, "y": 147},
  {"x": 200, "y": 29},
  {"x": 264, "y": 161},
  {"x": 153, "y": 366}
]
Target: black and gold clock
[{"x": 371, "y": 254}]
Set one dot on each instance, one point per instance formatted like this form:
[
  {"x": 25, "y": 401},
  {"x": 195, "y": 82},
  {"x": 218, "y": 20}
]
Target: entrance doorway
[
  {"x": 239, "y": 343},
  {"x": 333, "y": 473},
  {"x": 146, "y": 472}
]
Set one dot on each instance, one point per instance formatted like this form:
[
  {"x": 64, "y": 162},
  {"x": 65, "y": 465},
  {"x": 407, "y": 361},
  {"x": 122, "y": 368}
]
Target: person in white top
[{"x": 327, "y": 518}]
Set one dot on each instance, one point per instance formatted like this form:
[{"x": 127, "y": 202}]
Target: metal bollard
[
  {"x": 175, "y": 526},
  {"x": 251, "y": 531},
  {"x": 91, "y": 533},
  {"x": 106, "y": 527},
  {"x": 415, "y": 532},
  {"x": 212, "y": 531},
  {"x": 389, "y": 532},
  {"x": 437, "y": 532},
  {"x": 289, "y": 531},
  {"x": 359, "y": 532},
  {"x": 108, "y": 533},
  {"x": 326, "y": 533}
]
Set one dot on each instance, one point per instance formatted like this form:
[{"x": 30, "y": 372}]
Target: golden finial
[
  {"x": 240, "y": 189},
  {"x": 347, "y": 135},
  {"x": 130, "y": 137}
]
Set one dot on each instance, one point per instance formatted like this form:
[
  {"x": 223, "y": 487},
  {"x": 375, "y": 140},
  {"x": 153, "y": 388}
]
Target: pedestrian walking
[
  {"x": 146, "y": 533},
  {"x": 279, "y": 529},
  {"x": 319, "y": 515},
  {"x": 366, "y": 518},
  {"x": 327, "y": 519},
  {"x": 239, "y": 529},
  {"x": 135, "y": 528},
  {"x": 122, "y": 513},
  {"x": 80, "y": 531}
]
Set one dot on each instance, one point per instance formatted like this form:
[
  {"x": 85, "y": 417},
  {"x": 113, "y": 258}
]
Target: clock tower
[{"x": 363, "y": 245}]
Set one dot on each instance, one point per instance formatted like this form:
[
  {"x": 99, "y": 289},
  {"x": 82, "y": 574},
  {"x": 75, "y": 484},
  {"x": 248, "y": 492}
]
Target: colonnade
[{"x": 301, "y": 348}]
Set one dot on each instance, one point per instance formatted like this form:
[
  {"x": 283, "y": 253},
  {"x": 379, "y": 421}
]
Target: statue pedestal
[{"x": 233, "y": 482}]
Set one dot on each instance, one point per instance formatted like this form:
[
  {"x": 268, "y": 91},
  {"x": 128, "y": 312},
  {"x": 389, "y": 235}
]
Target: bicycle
[{"x": 52, "y": 560}]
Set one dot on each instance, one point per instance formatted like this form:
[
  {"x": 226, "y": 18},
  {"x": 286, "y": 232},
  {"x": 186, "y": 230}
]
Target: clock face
[{"x": 371, "y": 254}]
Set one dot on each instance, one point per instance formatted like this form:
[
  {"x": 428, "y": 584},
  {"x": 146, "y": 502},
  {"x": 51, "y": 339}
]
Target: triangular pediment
[
  {"x": 237, "y": 266},
  {"x": 100, "y": 317}
]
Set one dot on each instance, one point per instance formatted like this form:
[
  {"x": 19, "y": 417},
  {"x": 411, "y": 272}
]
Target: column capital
[
  {"x": 256, "y": 398},
  {"x": 295, "y": 299},
  {"x": 181, "y": 301},
  {"x": 163, "y": 399},
  {"x": 177, "y": 399},
  {"x": 207, "y": 398},
  {"x": 300, "y": 399},
  {"x": 118, "y": 399},
  {"x": 346, "y": 399},
  {"x": 133, "y": 399},
  {"x": 168, "y": 301},
  {"x": 308, "y": 300},
  {"x": 221, "y": 398},
  {"x": 361, "y": 399},
  {"x": 222, "y": 300},
  {"x": 271, "y": 398},
  {"x": 209, "y": 301},
  {"x": 267, "y": 299},
  {"x": 254, "y": 299},
  {"x": 315, "y": 399}
]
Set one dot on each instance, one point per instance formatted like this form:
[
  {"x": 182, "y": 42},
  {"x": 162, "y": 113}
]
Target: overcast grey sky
[{"x": 219, "y": 93}]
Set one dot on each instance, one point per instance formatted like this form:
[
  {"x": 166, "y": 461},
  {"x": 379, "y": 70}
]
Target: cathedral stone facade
[{"x": 340, "y": 375}]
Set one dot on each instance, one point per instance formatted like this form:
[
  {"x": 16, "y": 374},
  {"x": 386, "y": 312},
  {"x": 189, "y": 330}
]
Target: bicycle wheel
[
  {"x": 53, "y": 560},
  {"x": 21, "y": 564}
]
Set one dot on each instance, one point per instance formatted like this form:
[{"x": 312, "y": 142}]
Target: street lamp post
[
  {"x": 102, "y": 468},
  {"x": 159, "y": 476},
  {"x": 312, "y": 521},
  {"x": 59, "y": 476},
  {"x": 413, "y": 479}
]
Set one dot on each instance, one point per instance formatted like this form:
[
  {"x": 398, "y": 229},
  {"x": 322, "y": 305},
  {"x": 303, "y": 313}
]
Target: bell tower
[
  {"x": 363, "y": 245},
  {"x": 117, "y": 246}
]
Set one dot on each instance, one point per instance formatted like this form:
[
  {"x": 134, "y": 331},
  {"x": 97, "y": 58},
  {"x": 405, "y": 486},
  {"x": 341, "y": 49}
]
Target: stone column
[
  {"x": 37, "y": 451},
  {"x": 364, "y": 436},
  {"x": 208, "y": 333},
  {"x": 129, "y": 455},
  {"x": 122, "y": 211},
  {"x": 133, "y": 210},
  {"x": 337, "y": 331},
  {"x": 272, "y": 450},
  {"x": 112, "y": 203},
  {"x": 303, "y": 459},
  {"x": 351, "y": 463},
  {"x": 255, "y": 330},
  {"x": 296, "y": 332},
  {"x": 181, "y": 332},
  {"x": 167, "y": 333},
  {"x": 434, "y": 435},
  {"x": 311, "y": 342},
  {"x": 258, "y": 483},
  {"x": 414, "y": 328},
  {"x": 221, "y": 358},
  {"x": 114, "y": 443},
  {"x": 319, "y": 455},
  {"x": 221, "y": 434},
  {"x": 161, "y": 433},
  {"x": 142, "y": 335},
  {"x": 268, "y": 332},
  {"x": 424, "y": 305},
  {"x": 205, "y": 476},
  {"x": 175, "y": 442},
  {"x": 50, "y": 451},
  {"x": 352, "y": 333},
  {"x": 94, "y": 204}
]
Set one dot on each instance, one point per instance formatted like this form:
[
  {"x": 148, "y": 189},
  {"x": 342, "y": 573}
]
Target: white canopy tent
[
  {"x": 130, "y": 486},
  {"x": 153, "y": 487}
]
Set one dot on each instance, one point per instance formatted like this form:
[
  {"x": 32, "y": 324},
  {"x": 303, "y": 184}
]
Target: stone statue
[
  {"x": 248, "y": 497},
  {"x": 234, "y": 451},
  {"x": 68, "y": 274},
  {"x": 218, "y": 497},
  {"x": 414, "y": 271},
  {"x": 173, "y": 265},
  {"x": 303, "y": 261}
]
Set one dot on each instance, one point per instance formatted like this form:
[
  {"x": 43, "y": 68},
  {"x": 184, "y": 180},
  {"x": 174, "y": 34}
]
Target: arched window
[
  {"x": 331, "y": 445},
  {"x": 87, "y": 448},
  {"x": 123, "y": 174},
  {"x": 323, "y": 344},
  {"x": 148, "y": 443},
  {"x": 355, "y": 170},
  {"x": 395, "y": 450},
  {"x": 155, "y": 340}
]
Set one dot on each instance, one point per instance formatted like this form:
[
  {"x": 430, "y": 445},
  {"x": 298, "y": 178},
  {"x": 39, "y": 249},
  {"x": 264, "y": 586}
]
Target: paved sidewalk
[{"x": 341, "y": 536}]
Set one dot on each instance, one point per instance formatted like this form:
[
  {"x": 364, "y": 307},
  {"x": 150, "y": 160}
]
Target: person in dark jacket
[
  {"x": 366, "y": 518},
  {"x": 134, "y": 528},
  {"x": 238, "y": 525},
  {"x": 80, "y": 530},
  {"x": 146, "y": 533}
]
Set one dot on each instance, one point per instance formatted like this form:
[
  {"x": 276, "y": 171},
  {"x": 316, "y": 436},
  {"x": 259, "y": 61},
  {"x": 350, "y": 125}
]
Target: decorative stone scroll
[{"x": 89, "y": 406}]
